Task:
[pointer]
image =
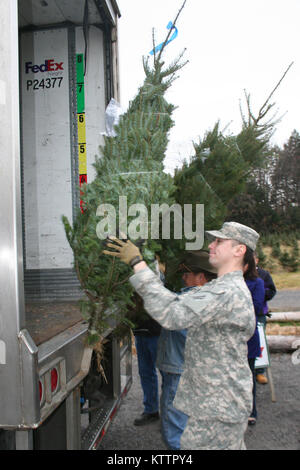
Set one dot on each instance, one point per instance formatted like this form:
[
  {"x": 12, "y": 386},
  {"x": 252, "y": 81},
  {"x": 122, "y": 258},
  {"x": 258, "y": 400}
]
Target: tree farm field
[
  {"x": 283, "y": 277},
  {"x": 287, "y": 280}
]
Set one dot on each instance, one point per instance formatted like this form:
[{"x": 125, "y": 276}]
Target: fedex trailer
[{"x": 59, "y": 64}]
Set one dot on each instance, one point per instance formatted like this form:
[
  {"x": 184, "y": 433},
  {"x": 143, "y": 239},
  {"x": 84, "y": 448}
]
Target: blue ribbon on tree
[{"x": 175, "y": 34}]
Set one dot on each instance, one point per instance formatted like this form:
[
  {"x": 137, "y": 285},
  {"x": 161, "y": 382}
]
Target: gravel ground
[{"x": 277, "y": 428}]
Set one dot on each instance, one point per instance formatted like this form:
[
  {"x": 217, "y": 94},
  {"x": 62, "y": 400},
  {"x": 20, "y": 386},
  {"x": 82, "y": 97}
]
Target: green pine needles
[{"x": 130, "y": 165}]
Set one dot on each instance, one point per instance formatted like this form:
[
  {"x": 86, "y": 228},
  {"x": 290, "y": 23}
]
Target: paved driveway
[{"x": 286, "y": 300}]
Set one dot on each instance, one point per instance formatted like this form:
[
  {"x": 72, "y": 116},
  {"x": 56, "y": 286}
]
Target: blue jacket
[
  {"x": 257, "y": 289},
  {"x": 270, "y": 289},
  {"x": 170, "y": 348}
]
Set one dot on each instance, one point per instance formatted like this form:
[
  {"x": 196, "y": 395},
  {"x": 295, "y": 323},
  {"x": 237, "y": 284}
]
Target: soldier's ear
[{"x": 240, "y": 250}]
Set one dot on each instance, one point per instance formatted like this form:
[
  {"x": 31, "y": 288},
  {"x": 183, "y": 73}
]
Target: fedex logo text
[{"x": 48, "y": 66}]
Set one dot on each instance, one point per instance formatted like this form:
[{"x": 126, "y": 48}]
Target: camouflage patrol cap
[
  {"x": 235, "y": 231},
  {"x": 196, "y": 261}
]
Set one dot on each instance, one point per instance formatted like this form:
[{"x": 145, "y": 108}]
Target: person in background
[
  {"x": 256, "y": 286},
  {"x": 196, "y": 271},
  {"x": 270, "y": 291},
  {"x": 146, "y": 336}
]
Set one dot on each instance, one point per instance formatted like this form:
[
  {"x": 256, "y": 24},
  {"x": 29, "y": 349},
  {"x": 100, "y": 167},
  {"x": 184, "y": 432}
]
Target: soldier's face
[
  {"x": 221, "y": 252},
  {"x": 193, "y": 279}
]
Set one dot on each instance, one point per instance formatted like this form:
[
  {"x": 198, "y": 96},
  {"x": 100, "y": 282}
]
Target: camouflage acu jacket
[{"x": 216, "y": 381}]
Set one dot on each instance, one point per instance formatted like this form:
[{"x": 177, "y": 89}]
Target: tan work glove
[{"x": 127, "y": 251}]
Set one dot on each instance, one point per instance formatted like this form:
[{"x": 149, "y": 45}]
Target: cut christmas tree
[{"x": 130, "y": 173}]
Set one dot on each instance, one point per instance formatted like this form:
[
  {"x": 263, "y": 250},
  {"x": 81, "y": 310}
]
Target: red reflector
[
  {"x": 40, "y": 390},
  {"x": 113, "y": 412},
  {"x": 54, "y": 380}
]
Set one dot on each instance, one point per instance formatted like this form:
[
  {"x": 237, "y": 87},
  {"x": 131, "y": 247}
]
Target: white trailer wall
[{"x": 46, "y": 145}]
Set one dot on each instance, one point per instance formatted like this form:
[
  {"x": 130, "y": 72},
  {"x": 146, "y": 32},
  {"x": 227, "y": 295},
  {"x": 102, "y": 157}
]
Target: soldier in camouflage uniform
[{"x": 215, "y": 389}]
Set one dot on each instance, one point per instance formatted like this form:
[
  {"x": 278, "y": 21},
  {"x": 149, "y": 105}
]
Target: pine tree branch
[
  {"x": 121, "y": 282},
  {"x": 265, "y": 108},
  {"x": 91, "y": 267},
  {"x": 273, "y": 91},
  {"x": 154, "y": 46},
  {"x": 88, "y": 294},
  {"x": 170, "y": 31},
  {"x": 112, "y": 267}
]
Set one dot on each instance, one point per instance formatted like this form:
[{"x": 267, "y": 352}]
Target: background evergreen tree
[
  {"x": 286, "y": 182},
  {"x": 258, "y": 204},
  {"x": 271, "y": 199},
  {"x": 220, "y": 170}
]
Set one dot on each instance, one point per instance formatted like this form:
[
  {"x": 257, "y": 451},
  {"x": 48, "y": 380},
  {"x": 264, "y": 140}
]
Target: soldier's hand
[{"x": 127, "y": 251}]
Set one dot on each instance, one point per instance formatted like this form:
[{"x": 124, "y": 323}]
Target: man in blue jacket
[{"x": 196, "y": 271}]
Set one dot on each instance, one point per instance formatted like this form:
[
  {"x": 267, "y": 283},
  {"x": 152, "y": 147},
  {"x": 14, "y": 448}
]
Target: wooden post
[{"x": 270, "y": 379}]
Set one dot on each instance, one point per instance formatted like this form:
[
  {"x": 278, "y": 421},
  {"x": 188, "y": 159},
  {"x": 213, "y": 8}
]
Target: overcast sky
[{"x": 231, "y": 45}]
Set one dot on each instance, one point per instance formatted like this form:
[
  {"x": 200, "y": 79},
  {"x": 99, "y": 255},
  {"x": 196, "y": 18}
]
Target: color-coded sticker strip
[{"x": 82, "y": 159}]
